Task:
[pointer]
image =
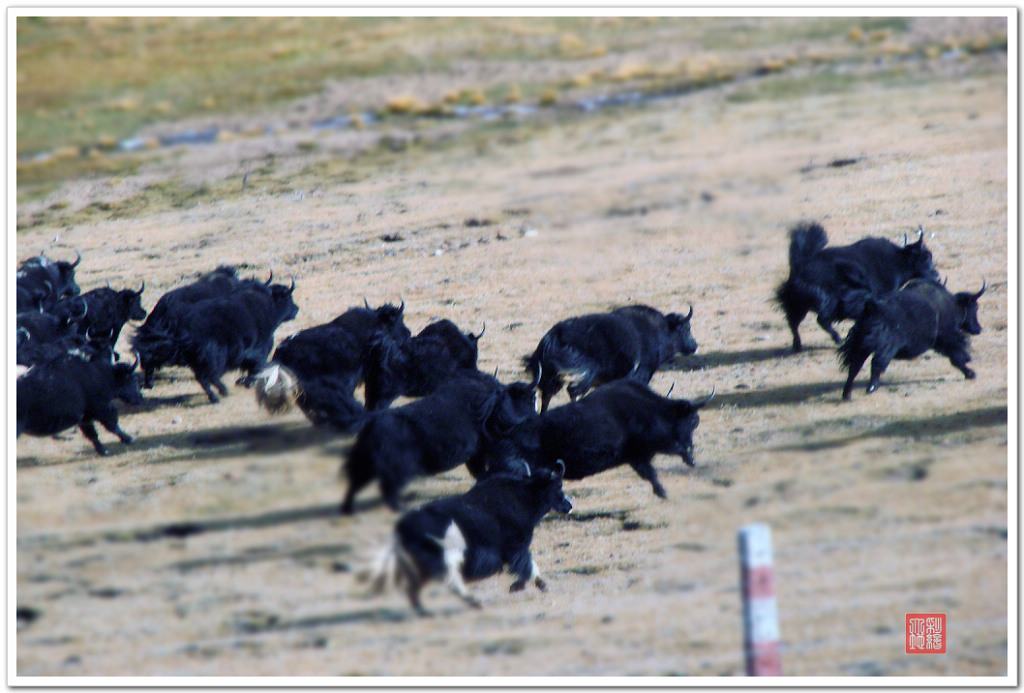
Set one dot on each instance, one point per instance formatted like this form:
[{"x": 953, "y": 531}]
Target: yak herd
[{"x": 517, "y": 447}]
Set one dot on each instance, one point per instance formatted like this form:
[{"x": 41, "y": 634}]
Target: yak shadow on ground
[
  {"x": 262, "y": 554},
  {"x": 767, "y": 397},
  {"x": 226, "y": 442},
  {"x": 935, "y": 427},
  {"x": 261, "y": 622},
  {"x": 716, "y": 359},
  {"x": 229, "y": 442},
  {"x": 186, "y": 528},
  {"x": 151, "y": 403}
]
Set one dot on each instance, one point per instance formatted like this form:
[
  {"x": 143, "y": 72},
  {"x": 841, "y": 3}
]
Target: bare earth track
[{"x": 211, "y": 546}]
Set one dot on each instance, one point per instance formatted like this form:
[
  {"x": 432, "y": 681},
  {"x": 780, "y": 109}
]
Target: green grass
[
  {"x": 82, "y": 79},
  {"x": 86, "y": 83}
]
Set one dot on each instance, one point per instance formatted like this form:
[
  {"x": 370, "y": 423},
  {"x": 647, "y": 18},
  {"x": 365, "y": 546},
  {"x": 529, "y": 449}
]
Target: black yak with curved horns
[
  {"x": 836, "y": 282},
  {"x": 922, "y": 315}
]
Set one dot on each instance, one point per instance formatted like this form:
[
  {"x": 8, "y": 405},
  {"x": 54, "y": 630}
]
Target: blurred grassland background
[{"x": 86, "y": 84}]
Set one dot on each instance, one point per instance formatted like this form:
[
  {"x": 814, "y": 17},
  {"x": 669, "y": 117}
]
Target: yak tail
[
  {"x": 277, "y": 388},
  {"x": 560, "y": 357},
  {"x": 387, "y": 569},
  {"x": 868, "y": 335},
  {"x": 805, "y": 240},
  {"x": 532, "y": 365}
]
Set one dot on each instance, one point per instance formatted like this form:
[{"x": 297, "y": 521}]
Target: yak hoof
[
  {"x": 659, "y": 491},
  {"x": 541, "y": 585},
  {"x": 517, "y": 586},
  {"x": 969, "y": 374}
]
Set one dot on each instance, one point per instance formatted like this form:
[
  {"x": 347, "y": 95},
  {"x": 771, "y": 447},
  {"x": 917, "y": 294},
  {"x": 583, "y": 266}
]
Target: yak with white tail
[{"x": 472, "y": 536}]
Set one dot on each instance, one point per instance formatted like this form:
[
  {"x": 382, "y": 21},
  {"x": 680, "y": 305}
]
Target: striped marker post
[{"x": 760, "y": 613}]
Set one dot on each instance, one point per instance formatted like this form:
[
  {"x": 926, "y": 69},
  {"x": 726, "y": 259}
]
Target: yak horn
[
  {"x": 291, "y": 289},
  {"x": 540, "y": 369},
  {"x": 920, "y": 237},
  {"x": 366, "y": 303},
  {"x": 670, "y": 388},
  {"x": 984, "y": 285},
  {"x": 700, "y": 403},
  {"x": 269, "y": 279},
  {"x": 690, "y": 314},
  {"x": 477, "y": 337},
  {"x": 77, "y": 260},
  {"x": 139, "y": 292},
  {"x": 561, "y": 468}
]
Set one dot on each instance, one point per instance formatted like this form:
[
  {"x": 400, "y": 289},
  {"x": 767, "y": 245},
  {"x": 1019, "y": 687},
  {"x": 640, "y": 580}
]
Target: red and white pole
[{"x": 760, "y": 612}]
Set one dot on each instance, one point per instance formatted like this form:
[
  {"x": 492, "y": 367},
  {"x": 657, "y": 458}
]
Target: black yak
[
  {"x": 923, "y": 315},
  {"x": 434, "y": 434},
  {"x": 472, "y": 536},
  {"x": 70, "y": 391},
  {"x": 627, "y": 342},
  {"x": 836, "y": 282},
  {"x": 623, "y": 422}
]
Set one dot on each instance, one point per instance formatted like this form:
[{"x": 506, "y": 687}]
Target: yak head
[
  {"x": 66, "y": 275},
  {"x": 508, "y": 406},
  {"x": 967, "y": 303},
  {"x": 518, "y": 403},
  {"x": 126, "y": 382},
  {"x": 544, "y": 484},
  {"x": 679, "y": 332},
  {"x": 283, "y": 302},
  {"x": 916, "y": 259},
  {"x": 389, "y": 320},
  {"x": 132, "y": 303},
  {"x": 686, "y": 422}
]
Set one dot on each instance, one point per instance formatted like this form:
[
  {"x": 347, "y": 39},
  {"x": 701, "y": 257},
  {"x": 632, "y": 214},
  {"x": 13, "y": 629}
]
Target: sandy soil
[{"x": 211, "y": 546}]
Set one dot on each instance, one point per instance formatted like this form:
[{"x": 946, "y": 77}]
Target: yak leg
[
  {"x": 455, "y": 583},
  {"x": 548, "y": 388},
  {"x": 356, "y": 483},
  {"x": 531, "y": 572},
  {"x": 959, "y": 360},
  {"x": 413, "y": 585},
  {"x": 205, "y": 384},
  {"x": 878, "y": 365},
  {"x": 581, "y": 386},
  {"x": 855, "y": 363},
  {"x": 645, "y": 469},
  {"x": 88, "y": 429},
  {"x": 795, "y": 310},
  {"x": 825, "y": 320},
  {"x": 453, "y": 573},
  {"x": 108, "y": 417}
]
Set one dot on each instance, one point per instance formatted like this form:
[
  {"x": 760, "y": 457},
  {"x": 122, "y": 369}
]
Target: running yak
[
  {"x": 628, "y": 342},
  {"x": 447, "y": 428},
  {"x": 71, "y": 391},
  {"x": 623, "y": 422},
  {"x": 923, "y": 315},
  {"x": 472, "y": 536},
  {"x": 319, "y": 368},
  {"x": 837, "y": 282}
]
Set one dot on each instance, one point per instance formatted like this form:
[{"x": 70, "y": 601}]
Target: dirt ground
[{"x": 211, "y": 546}]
